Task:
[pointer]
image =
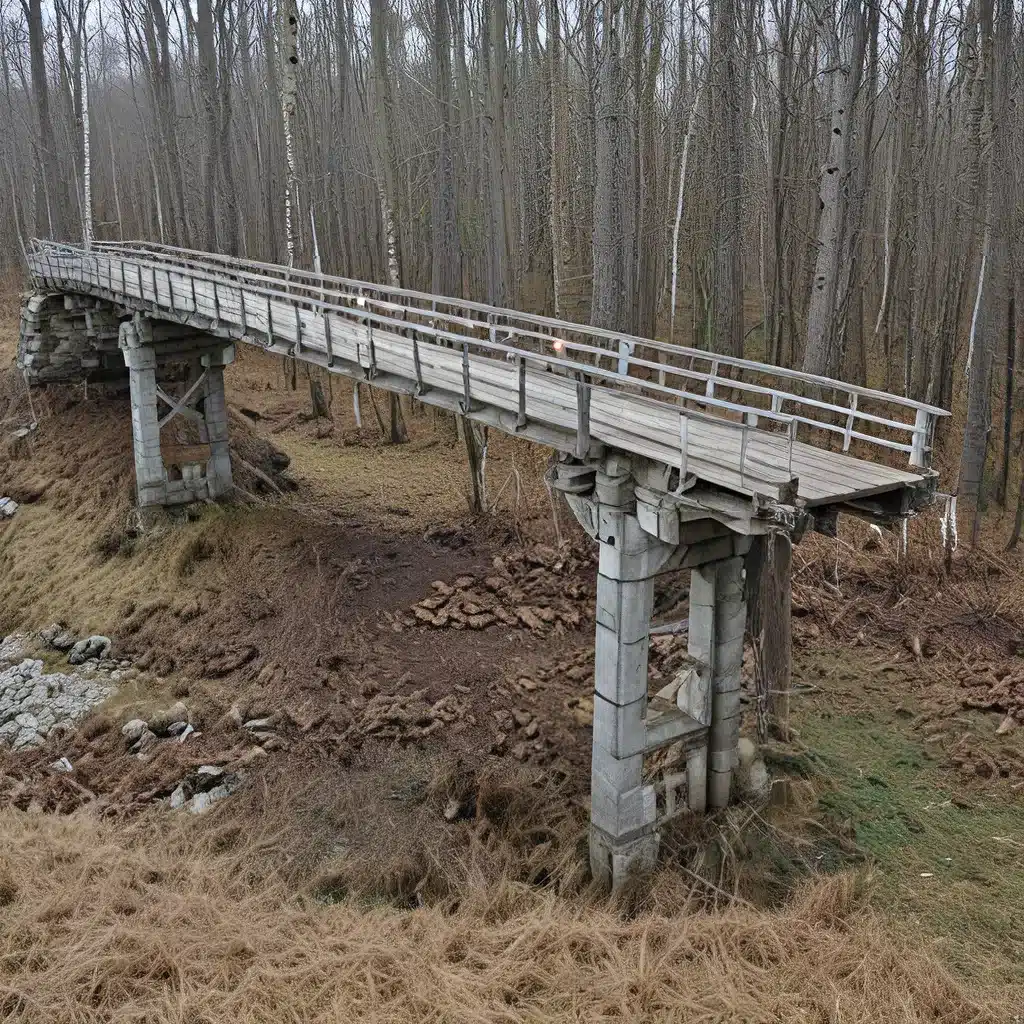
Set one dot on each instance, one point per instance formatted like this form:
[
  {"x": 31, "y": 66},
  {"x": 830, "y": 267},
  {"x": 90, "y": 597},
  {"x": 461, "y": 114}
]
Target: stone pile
[
  {"x": 536, "y": 590},
  {"x": 34, "y": 703},
  {"x": 404, "y": 717},
  {"x": 140, "y": 734}
]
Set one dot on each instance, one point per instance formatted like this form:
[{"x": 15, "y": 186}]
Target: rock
[
  {"x": 755, "y": 781},
  {"x": 583, "y": 712},
  {"x": 252, "y": 755},
  {"x": 210, "y": 771},
  {"x": 58, "y": 636},
  {"x": 531, "y": 730},
  {"x": 522, "y": 718},
  {"x": 746, "y": 751},
  {"x": 12, "y": 648},
  {"x": 178, "y": 798},
  {"x": 8, "y": 506},
  {"x": 161, "y": 721},
  {"x": 1007, "y": 725},
  {"x": 177, "y": 728},
  {"x": 27, "y": 721},
  {"x": 498, "y": 746},
  {"x": 132, "y": 731},
  {"x": 92, "y": 647},
  {"x": 528, "y": 618},
  {"x": 519, "y": 751},
  {"x": 62, "y": 765},
  {"x": 146, "y": 740},
  {"x": 203, "y": 801},
  {"x": 452, "y": 810},
  {"x": 527, "y": 684},
  {"x": 261, "y": 724}
]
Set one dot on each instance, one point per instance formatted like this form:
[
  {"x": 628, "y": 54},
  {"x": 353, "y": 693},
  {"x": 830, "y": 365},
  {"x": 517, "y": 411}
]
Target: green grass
[{"x": 950, "y": 864}]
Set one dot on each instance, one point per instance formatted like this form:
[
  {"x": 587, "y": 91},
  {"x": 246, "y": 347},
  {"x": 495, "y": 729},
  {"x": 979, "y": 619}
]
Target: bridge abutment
[{"x": 68, "y": 338}]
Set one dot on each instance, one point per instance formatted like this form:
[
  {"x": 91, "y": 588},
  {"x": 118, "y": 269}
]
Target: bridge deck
[{"x": 729, "y": 423}]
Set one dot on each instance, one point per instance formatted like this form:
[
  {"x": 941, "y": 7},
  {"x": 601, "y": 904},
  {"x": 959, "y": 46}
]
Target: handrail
[
  {"x": 375, "y": 302},
  {"x": 616, "y": 336}
]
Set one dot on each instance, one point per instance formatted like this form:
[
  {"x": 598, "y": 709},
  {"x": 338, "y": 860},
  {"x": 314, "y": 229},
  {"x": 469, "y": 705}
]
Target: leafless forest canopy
[{"x": 829, "y": 185}]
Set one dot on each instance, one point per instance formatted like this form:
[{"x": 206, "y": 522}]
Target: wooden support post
[{"x": 769, "y": 603}]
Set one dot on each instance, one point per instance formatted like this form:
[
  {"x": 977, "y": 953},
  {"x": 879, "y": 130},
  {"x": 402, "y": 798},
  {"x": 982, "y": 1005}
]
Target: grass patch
[{"x": 953, "y": 864}]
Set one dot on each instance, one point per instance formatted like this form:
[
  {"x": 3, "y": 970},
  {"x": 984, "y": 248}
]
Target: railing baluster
[
  {"x": 327, "y": 338},
  {"x": 521, "y": 415},
  {"x": 919, "y": 439},
  {"x": 849, "y": 422},
  {"x": 467, "y": 400},
  {"x": 421, "y": 388},
  {"x": 709, "y": 388},
  {"x": 582, "y": 417},
  {"x": 684, "y": 454}
]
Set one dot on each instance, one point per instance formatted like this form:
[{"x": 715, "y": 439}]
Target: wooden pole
[{"x": 769, "y": 604}]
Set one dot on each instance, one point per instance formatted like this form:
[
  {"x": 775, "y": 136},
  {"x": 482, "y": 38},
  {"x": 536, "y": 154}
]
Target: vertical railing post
[{"x": 919, "y": 441}]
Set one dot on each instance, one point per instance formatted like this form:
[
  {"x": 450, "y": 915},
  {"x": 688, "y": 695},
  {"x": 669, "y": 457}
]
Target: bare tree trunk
[
  {"x": 50, "y": 202},
  {"x": 211, "y": 158},
  {"x": 843, "y": 41},
  {"x": 385, "y": 148},
  {"x": 558, "y": 184},
  {"x": 288, "y": 58},
  {"x": 990, "y": 297},
  {"x": 727, "y": 121},
  {"x": 608, "y": 305}
]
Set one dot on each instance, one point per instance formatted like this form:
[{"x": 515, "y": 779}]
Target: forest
[{"x": 829, "y": 186}]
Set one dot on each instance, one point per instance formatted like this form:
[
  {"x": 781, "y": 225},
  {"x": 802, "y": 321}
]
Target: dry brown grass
[{"x": 168, "y": 921}]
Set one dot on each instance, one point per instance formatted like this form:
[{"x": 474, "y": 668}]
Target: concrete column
[
  {"x": 697, "y": 699},
  {"x": 717, "y": 621},
  {"x": 215, "y": 415},
  {"x": 150, "y": 478},
  {"x": 726, "y": 678},
  {"x": 623, "y": 839}
]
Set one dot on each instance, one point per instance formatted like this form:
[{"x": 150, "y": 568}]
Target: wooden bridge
[{"x": 670, "y": 457}]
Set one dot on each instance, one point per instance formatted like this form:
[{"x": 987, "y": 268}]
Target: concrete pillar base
[{"x": 613, "y": 863}]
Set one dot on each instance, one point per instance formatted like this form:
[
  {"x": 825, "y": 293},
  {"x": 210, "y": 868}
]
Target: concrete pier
[
  {"x": 176, "y": 474},
  {"x": 699, "y": 713}
]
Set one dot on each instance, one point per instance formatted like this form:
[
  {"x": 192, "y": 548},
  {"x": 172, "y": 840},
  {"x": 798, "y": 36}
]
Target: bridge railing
[{"x": 745, "y": 392}]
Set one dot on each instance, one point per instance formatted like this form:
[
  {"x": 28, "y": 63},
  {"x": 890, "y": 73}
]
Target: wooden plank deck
[{"x": 407, "y": 346}]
